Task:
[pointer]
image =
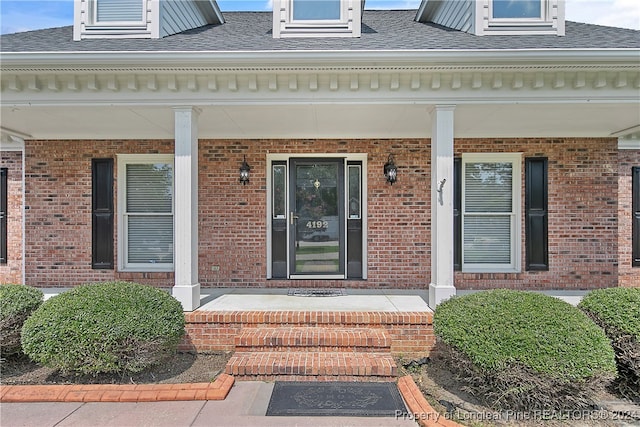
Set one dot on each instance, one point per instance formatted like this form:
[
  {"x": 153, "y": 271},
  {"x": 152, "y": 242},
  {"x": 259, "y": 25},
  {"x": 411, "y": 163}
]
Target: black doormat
[
  {"x": 336, "y": 399},
  {"x": 312, "y": 292}
]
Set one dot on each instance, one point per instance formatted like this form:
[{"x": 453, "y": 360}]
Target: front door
[{"x": 316, "y": 229}]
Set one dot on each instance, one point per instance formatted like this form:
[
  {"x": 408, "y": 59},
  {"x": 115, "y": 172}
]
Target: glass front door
[{"x": 317, "y": 238}]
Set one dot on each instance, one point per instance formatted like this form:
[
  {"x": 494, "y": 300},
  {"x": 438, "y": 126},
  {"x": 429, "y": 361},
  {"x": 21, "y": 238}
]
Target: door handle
[{"x": 292, "y": 216}]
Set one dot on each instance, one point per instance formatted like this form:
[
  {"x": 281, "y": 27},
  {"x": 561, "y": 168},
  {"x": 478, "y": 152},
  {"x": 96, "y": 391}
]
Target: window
[
  {"x": 491, "y": 198},
  {"x": 521, "y": 17},
  {"x": 522, "y": 9},
  {"x": 118, "y": 11},
  {"x": 145, "y": 212},
  {"x": 3, "y": 214},
  {"x": 315, "y": 10},
  {"x": 317, "y": 18}
]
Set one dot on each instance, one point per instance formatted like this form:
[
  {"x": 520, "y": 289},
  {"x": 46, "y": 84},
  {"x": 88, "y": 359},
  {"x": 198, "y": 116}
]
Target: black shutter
[
  {"x": 457, "y": 214},
  {"x": 102, "y": 213},
  {"x": 635, "y": 197},
  {"x": 3, "y": 215},
  {"x": 536, "y": 219}
]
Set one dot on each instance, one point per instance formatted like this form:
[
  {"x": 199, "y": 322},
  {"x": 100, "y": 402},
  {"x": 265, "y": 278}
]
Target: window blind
[
  {"x": 488, "y": 207},
  {"x": 487, "y": 239},
  {"x": 149, "y": 188},
  {"x": 150, "y": 239},
  {"x": 149, "y": 212},
  {"x": 119, "y": 10},
  {"x": 488, "y": 187}
]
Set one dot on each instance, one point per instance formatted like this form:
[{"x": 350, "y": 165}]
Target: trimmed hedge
[
  {"x": 17, "y": 302},
  {"x": 617, "y": 311},
  {"x": 104, "y": 328},
  {"x": 520, "y": 350}
]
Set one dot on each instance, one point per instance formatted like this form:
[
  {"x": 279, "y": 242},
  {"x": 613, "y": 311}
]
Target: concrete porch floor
[{"x": 266, "y": 302}]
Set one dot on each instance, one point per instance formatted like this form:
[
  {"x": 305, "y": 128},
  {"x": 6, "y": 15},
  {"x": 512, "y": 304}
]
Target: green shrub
[
  {"x": 617, "y": 311},
  {"x": 17, "y": 302},
  {"x": 523, "y": 350},
  {"x": 104, "y": 328}
]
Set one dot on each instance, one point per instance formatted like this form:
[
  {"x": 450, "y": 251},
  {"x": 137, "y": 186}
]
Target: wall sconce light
[
  {"x": 391, "y": 170},
  {"x": 244, "y": 171}
]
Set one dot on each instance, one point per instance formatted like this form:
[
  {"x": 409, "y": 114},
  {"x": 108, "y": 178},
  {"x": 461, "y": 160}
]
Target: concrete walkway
[{"x": 245, "y": 405}]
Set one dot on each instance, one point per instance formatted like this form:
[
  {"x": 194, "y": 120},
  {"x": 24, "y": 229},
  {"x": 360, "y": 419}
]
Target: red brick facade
[
  {"x": 11, "y": 272},
  {"x": 627, "y": 275},
  {"x": 588, "y": 192}
]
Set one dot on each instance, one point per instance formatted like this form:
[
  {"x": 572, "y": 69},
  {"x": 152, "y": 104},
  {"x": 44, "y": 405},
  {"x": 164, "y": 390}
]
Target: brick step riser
[
  {"x": 410, "y": 333},
  {"x": 312, "y": 338},
  {"x": 312, "y": 349},
  {"x": 353, "y": 370},
  {"x": 316, "y": 378},
  {"x": 278, "y": 365}
]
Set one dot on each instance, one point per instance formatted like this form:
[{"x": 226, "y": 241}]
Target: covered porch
[{"x": 431, "y": 97}]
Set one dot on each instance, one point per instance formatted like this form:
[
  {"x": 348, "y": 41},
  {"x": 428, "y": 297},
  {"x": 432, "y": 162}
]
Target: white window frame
[
  {"x": 123, "y": 161},
  {"x": 544, "y": 16},
  {"x": 348, "y": 25},
  {"x": 94, "y": 22},
  {"x": 551, "y": 21},
  {"x": 356, "y": 157},
  {"x": 86, "y": 25},
  {"x": 515, "y": 266}
]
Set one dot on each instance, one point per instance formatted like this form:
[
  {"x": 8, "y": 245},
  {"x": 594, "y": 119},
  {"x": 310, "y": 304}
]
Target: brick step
[
  {"x": 313, "y": 339},
  {"x": 312, "y": 366}
]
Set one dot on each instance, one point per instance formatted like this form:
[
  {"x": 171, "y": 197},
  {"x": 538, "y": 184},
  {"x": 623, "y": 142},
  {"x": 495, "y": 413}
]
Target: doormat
[
  {"x": 336, "y": 399},
  {"x": 316, "y": 292}
]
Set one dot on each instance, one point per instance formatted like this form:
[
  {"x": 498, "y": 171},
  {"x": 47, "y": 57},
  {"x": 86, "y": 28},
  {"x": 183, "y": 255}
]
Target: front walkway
[{"x": 246, "y": 405}]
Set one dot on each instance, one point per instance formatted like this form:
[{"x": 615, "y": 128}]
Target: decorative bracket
[{"x": 439, "y": 190}]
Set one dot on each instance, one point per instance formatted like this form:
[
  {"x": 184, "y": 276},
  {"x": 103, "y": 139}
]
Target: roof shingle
[{"x": 381, "y": 30}]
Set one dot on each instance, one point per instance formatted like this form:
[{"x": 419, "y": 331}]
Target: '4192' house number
[{"x": 316, "y": 225}]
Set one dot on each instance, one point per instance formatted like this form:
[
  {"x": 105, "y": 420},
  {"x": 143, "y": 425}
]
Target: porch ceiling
[{"x": 328, "y": 120}]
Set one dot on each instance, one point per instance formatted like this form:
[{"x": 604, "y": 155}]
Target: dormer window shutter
[{"x": 119, "y": 11}]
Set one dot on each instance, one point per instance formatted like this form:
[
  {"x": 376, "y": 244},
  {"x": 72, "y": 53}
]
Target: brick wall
[
  {"x": 627, "y": 275},
  {"x": 583, "y": 229},
  {"x": 11, "y": 272},
  {"x": 582, "y": 212},
  {"x": 58, "y": 211}
]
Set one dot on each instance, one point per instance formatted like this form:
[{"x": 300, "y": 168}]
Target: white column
[
  {"x": 185, "y": 219},
  {"x": 441, "y": 286}
]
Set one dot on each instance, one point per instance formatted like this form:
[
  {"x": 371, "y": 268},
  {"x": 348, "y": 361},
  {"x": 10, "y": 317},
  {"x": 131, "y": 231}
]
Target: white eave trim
[{"x": 542, "y": 58}]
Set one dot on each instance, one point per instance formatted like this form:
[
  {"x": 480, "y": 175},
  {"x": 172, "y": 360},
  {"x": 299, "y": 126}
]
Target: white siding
[
  {"x": 457, "y": 15},
  {"x": 178, "y": 16}
]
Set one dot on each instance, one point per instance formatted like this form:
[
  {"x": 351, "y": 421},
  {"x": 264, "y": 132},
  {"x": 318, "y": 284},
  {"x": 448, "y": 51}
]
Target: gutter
[{"x": 321, "y": 59}]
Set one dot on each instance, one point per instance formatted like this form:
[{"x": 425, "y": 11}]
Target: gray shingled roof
[{"x": 381, "y": 30}]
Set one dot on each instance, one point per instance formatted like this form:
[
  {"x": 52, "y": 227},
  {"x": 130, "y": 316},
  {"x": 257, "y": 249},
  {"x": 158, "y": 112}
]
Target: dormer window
[
  {"x": 149, "y": 19},
  {"x": 509, "y": 17},
  {"x": 496, "y": 17},
  {"x": 118, "y": 11},
  {"x": 115, "y": 19},
  {"x": 523, "y": 9},
  {"x": 316, "y": 10},
  {"x": 317, "y": 18}
]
